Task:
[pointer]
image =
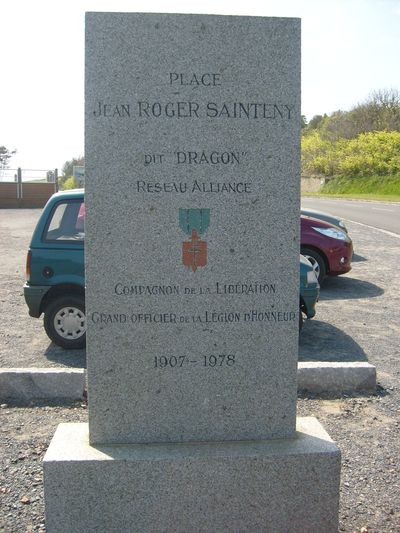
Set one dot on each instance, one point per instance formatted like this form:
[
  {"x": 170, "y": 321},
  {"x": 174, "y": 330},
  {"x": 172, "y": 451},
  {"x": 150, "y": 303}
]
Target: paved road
[{"x": 380, "y": 215}]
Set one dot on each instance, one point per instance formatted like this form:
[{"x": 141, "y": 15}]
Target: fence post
[
  {"x": 19, "y": 184},
  {"x": 56, "y": 180}
]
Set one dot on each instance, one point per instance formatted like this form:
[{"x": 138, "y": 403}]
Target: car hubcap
[
  {"x": 70, "y": 323},
  {"x": 314, "y": 264}
]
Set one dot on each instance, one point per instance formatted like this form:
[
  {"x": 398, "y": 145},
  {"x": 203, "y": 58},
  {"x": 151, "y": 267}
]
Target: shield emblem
[{"x": 194, "y": 252}]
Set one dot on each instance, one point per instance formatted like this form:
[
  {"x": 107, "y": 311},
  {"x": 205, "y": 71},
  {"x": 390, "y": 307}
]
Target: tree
[
  {"x": 379, "y": 112},
  {"x": 386, "y": 98},
  {"x": 384, "y": 105},
  {"x": 5, "y": 156},
  {"x": 315, "y": 122},
  {"x": 68, "y": 167}
]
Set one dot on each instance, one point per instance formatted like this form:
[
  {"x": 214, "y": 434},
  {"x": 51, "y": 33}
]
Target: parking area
[
  {"x": 357, "y": 316},
  {"x": 357, "y": 320}
]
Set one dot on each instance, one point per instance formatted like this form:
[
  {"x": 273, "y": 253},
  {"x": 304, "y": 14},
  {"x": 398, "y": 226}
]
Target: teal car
[
  {"x": 55, "y": 285},
  {"x": 55, "y": 271},
  {"x": 309, "y": 290}
]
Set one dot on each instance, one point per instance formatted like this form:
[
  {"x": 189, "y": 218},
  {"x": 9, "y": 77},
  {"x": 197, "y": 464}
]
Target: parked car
[
  {"x": 326, "y": 217},
  {"x": 309, "y": 290},
  {"x": 55, "y": 274},
  {"x": 55, "y": 283},
  {"x": 328, "y": 248}
]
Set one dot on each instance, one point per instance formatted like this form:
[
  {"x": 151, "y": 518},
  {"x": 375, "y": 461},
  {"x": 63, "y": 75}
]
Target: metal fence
[{"x": 26, "y": 187}]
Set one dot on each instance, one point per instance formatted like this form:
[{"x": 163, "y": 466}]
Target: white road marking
[
  {"x": 377, "y": 229},
  {"x": 382, "y": 209},
  {"x": 353, "y": 202}
]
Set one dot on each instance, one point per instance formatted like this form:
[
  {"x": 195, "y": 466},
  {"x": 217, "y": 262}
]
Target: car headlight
[
  {"x": 311, "y": 277},
  {"x": 333, "y": 233}
]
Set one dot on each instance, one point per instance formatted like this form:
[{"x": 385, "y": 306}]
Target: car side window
[{"x": 66, "y": 222}]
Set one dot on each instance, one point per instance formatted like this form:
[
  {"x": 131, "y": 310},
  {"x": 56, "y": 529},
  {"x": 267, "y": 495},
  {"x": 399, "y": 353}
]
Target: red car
[{"x": 328, "y": 248}]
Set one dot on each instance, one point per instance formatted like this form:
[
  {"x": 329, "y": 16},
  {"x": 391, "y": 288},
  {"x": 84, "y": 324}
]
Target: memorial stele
[{"x": 192, "y": 154}]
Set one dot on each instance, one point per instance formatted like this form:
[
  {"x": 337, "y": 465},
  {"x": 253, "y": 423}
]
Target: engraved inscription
[
  {"x": 206, "y": 317},
  {"x": 242, "y": 288},
  {"x": 213, "y": 361},
  {"x": 196, "y": 158},
  {"x": 112, "y": 110},
  {"x": 195, "y": 110},
  {"x": 204, "y": 158},
  {"x": 181, "y": 109},
  {"x": 237, "y": 110},
  {"x": 207, "y": 79},
  {"x": 198, "y": 186},
  {"x": 168, "y": 109},
  {"x": 155, "y": 159}
]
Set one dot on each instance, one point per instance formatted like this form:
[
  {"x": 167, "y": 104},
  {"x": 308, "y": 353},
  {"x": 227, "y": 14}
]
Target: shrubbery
[
  {"x": 359, "y": 149},
  {"x": 69, "y": 183},
  {"x": 64, "y": 181},
  {"x": 369, "y": 154}
]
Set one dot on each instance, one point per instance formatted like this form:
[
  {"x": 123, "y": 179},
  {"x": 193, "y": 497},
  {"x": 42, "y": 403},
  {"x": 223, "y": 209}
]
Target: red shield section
[{"x": 194, "y": 252}]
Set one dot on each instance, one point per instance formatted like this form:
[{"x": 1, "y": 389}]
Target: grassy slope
[{"x": 368, "y": 188}]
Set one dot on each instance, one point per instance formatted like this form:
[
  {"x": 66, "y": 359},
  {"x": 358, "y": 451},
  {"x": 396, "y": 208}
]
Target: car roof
[{"x": 70, "y": 193}]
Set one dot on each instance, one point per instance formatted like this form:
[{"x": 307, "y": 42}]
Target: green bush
[
  {"x": 369, "y": 154},
  {"x": 69, "y": 183},
  {"x": 317, "y": 155}
]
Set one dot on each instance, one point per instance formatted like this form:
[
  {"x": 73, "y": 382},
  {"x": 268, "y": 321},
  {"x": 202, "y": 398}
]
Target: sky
[{"x": 349, "y": 49}]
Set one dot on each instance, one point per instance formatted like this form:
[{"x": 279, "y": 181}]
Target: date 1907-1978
[{"x": 179, "y": 361}]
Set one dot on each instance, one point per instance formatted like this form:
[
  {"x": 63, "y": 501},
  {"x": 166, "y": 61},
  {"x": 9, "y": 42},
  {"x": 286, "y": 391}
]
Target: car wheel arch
[
  {"x": 61, "y": 290},
  {"x": 319, "y": 251}
]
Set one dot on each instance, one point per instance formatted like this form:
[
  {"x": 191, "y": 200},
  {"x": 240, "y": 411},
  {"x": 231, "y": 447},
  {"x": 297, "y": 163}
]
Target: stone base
[
  {"x": 319, "y": 376},
  {"x": 36, "y": 383},
  {"x": 269, "y": 486}
]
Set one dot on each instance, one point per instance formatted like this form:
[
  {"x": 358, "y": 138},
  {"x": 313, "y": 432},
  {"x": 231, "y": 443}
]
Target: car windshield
[{"x": 67, "y": 222}]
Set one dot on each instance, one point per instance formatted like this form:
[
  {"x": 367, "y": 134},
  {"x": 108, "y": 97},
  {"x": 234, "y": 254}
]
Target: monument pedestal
[{"x": 271, "y": 485}]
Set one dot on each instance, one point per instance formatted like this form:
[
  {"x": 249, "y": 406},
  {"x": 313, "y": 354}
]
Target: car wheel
[
  {"x": 317, "y": 263},
  {"x": 65, "y": 322}
]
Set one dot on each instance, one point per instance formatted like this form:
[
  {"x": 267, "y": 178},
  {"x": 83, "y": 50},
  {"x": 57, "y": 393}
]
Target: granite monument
[{"x": 192, "y": 243}]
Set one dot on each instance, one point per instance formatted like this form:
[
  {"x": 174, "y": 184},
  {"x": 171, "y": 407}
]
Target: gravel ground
[
  {"x": 357, "y": 319},
  {"x": 24, "y": 437},
  {"x": 367, "y": 430}
]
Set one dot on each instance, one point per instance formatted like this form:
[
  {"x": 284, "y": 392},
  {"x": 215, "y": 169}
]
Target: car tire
[
  {"x": 317, "y": 262},
  {"x": 65, "y": 322}
]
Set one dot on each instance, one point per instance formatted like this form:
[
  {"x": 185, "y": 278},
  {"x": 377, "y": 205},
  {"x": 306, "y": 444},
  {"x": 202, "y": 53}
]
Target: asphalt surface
[{"x": 380, "y": 215}]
